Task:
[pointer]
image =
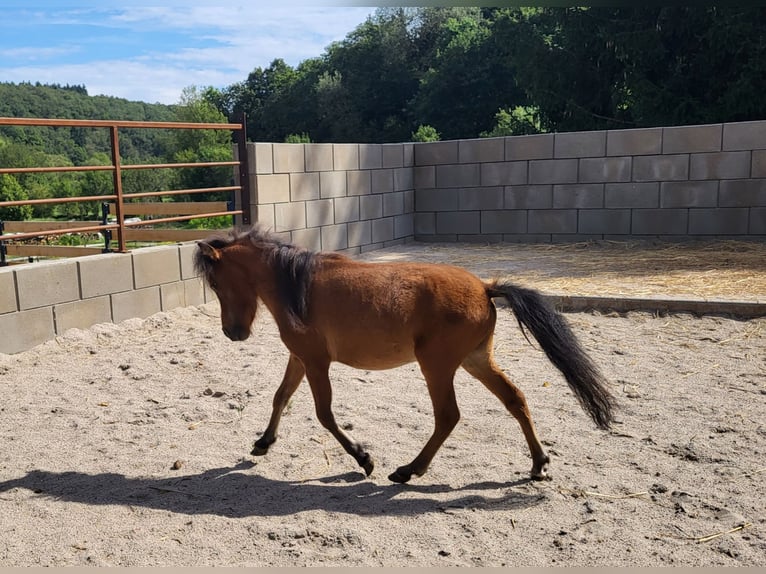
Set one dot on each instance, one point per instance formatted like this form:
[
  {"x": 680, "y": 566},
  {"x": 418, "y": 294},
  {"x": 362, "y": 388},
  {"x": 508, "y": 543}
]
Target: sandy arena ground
[{"x": 128, "y": 445}]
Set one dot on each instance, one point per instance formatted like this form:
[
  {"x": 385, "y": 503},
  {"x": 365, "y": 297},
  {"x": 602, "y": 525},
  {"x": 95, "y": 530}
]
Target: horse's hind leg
[
  {"x": 319, "y": 381},
  {"x": 440, "y": 382},
  {"x": 481, "y": 365},
  {"x": 290, "y": 382}
]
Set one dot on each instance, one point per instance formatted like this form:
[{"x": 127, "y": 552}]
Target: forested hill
[{"x": 73, "y": 102}]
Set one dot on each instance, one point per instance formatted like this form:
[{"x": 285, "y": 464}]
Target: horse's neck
[{"x": 263, "y": 276}]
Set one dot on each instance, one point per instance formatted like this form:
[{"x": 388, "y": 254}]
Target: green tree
[{"x": 11, "y": 190}]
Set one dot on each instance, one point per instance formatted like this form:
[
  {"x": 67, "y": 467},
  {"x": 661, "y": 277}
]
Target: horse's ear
[{"x": 209, "y": 251}]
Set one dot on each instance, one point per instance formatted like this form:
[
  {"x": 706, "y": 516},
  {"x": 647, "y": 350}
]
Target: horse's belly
[{"x": 375, "y": 356}]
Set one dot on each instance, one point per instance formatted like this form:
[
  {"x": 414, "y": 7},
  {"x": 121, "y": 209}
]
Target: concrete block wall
[
  {"x": 41, "y": 300},
  {"x": 334, "y": 197},
  {"x": 674, "y": 183}
]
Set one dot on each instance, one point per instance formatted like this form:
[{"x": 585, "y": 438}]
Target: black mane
[{"x": 294, "y": 266}]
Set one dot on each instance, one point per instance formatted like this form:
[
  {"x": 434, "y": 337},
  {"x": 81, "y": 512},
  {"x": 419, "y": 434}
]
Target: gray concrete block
[
  {"x": 319, "y": 157},
  {"x": 392, "y": 155},
  {"x": 659, "y": 221},
  {"x": 140, "y": 303},
  {"x": 602, "y": 170},
  {"x": 186, "y": 255},
  {"x": 528, "y": 197},
  {"x": 436, "y": 200},
  {"x": 757, "y": 224},
  {"x": 481, "y": 150},
  {"x": 264, "y": 214},
  {"x": 424, "y": 177},
  {"x": 29, "y": 328},
  {"x": 758, "y": 166},
  {"x": 308, "y": 238},
  {"x": 320, "y": 212},
  {"x": 403, "y": 179},
  {"x": 720, "y": 165},
  {"x": 358, "y": 182},
  {"x": 393, "y": 203},
  {"x": 579, "y": 144},
  {"x": 46, "y": 283},
  {"x": 618, "y": 195},
  {"x": 82, "y": 314},
  {"x": 527, "y": 238},
  {"x": 345, "y": 157},
  {"x": 408, "y": 150},
  {"x": 458, "y": 222},
  {"x": 578, "y": 196},
  {"x": 371, "y": 247},
  {"x": 504, "y": 173},
  {"x": 8, "y": 302},
  {"x": 304, "y": 186},
  {"x": 603, "y": 221},
  {"x": 719, "y": 221},
  {"x": 382, "y": 229},
  {"x": 382, "y": 180},
  {"x": 529, "y": 147},
  {"x": 462, "y": 175},
  {"x": 692, "y": 139},
  {"x": 425, "y": 223},
  {"x": 432, "y": 153},
  {"x": 272, "y": 188},
  {"x": 504, "y": 221},
  {"x": 553, "y": 171},
  {"x": 359, "y": 233},
  {"x": 346, "y": 209},
  {"x": 661, "y": 167},
  {"x": 404, "y": 225},
  {"x": 194, "y": 291},
  {"x": 643, "y": 141},
  {"x": 155, "y": 265},
  {"x": 689, "y": 194},
  {"x": 744, "y": 136},
  {"x": 370, "y": 156},
  {"x": 289, "y": 157},
  {"x": 172, "y": 295},
  {"x": 334, "y": 237},
  {"x": 437, "y": 238},
  {"x": 370, "y": 206},
  {"x": 478, "y": 198},
  {"x": 742, "y": 193},
  {"x": 289, "y": 216},
  {"x": 261, "y": 156},
  {"x": 107, "y": 273},
  {"x": 482, "y": 238},
  {"x": 552, "y": 221},
  {"x": 409, "y": 201},
  {"x": 332, "y": 184}
]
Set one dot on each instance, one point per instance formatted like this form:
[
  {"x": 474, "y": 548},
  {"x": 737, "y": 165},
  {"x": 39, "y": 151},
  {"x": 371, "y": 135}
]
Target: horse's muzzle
[{"x": 236, "y": 333}]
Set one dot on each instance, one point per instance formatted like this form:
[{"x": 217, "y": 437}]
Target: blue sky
[{"x": 145, "y": 52}]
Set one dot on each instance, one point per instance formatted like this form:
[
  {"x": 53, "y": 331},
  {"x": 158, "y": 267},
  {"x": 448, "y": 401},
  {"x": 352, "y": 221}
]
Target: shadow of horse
[{"x": 232, "y": 493}]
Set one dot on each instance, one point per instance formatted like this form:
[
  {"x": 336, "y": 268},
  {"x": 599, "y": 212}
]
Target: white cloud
[{"x": 222, "y": 45}]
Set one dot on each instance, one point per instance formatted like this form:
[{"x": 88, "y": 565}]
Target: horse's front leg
[
  {"x": 290, "y": 382},
  {"x": 319, "y": 381}
]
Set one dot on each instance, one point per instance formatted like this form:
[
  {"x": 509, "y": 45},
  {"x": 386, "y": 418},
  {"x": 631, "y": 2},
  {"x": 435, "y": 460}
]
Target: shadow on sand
[{"x": 233, "y": 493}]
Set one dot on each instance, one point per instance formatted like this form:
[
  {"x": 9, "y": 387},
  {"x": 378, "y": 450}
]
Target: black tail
[{"x": 562, "y": 347}]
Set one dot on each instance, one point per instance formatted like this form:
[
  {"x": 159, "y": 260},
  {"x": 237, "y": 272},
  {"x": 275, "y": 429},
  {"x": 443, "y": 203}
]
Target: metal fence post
[{"x": 244, "y": 171}]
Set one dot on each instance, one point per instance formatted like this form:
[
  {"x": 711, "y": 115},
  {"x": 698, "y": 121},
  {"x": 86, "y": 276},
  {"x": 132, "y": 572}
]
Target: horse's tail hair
[{"x": 559, "y": 343}]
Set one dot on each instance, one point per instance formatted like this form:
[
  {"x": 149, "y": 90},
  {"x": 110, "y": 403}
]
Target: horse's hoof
[
  {"x": 400, "y": 475},
  {"x": 259, "y": 449},
  {"x": 367, "y": 464}
]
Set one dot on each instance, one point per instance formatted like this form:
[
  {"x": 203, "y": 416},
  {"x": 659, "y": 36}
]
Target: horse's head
[{"x": 222, "y": 270}]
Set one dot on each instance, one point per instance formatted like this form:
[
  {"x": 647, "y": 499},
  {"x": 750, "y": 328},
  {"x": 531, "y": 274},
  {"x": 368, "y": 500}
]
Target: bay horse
[{"x": 329, "y": 307}]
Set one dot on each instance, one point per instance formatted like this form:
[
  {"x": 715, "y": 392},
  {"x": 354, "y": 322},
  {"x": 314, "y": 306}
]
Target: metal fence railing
[{"x": 114, "y": 207}]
